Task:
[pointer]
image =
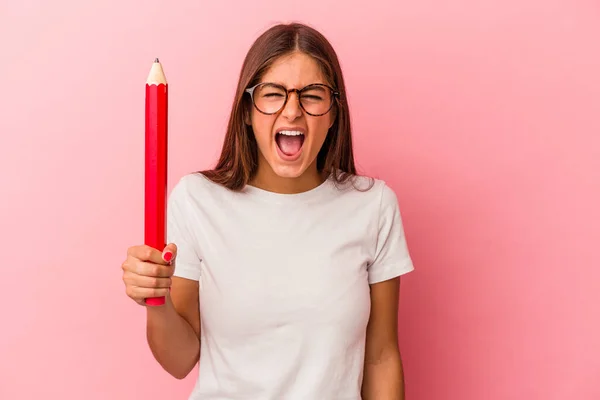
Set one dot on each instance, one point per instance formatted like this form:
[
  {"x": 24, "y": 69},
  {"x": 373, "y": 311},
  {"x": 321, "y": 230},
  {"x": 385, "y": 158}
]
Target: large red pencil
[{"x": 156, "y": 163}]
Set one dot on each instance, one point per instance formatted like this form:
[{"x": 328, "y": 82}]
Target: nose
[{"x": 292, "y": 109}]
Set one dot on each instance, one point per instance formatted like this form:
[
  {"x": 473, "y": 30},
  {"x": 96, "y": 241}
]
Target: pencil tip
[{"x": 156, "y": 60}]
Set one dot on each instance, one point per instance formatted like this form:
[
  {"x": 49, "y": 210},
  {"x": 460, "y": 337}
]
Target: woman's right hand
[{"x": 147, "y": 272}]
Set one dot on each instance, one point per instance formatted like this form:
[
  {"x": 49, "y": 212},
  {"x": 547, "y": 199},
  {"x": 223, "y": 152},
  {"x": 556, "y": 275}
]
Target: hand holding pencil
[{"x": 147, "y": 272}]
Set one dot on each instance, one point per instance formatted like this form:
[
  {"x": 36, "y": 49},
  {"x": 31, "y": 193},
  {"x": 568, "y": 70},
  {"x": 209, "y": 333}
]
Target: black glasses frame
[{"x": 334, "y": 96}]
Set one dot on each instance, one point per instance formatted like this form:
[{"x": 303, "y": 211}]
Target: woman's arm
[
  {"x": 173, "y": 330},
  {"x": 383, "y": 374}
]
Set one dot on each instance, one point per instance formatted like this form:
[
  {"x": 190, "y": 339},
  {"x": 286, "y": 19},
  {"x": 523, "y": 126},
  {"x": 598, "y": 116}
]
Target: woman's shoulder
[
  {"x": 366, "y": 186},
  {"x": 195, "y": 185}
]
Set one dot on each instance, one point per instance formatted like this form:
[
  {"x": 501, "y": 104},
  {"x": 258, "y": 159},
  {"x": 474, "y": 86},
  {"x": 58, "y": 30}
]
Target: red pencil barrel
[{"x": 156, "y": 170}]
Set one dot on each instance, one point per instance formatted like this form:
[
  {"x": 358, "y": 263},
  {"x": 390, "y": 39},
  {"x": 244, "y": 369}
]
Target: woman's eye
[{"x": 312, "y": 97}]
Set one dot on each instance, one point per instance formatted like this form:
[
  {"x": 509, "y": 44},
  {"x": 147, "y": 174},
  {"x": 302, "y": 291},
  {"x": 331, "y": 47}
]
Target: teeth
[{"x": 291, "y": 133}]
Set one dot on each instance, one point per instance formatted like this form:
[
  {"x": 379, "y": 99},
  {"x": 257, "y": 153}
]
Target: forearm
[
  {"x": 172, "y": 340},
  {"x": 383, "y": 379}
]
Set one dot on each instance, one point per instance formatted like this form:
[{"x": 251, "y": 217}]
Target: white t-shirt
[{"x": 284, "y": 284}]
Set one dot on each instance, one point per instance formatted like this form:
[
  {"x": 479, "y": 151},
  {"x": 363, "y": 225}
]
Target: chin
[
  {"x": 286, "y": 168},
  {"x": 287, "y": 171}
]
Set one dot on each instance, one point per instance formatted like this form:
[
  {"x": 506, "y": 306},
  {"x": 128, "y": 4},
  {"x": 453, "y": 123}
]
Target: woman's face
[{"x": 289, "y": 140}]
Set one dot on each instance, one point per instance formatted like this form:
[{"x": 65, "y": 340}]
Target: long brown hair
[{"x": 238, "y": 162}]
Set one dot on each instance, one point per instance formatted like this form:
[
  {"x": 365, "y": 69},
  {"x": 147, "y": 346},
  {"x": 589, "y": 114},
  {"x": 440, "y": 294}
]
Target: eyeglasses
[{"x": 315, "y": 99}]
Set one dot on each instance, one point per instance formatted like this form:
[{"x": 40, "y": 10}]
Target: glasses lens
[
  {"x": 269, "y": 98},
  {"x": 316, "y": 99}
]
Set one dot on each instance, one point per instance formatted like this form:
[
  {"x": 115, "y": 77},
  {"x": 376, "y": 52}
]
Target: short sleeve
[
  {"x": 187, "y": 262},
  {"x": 391, "y": 258}
]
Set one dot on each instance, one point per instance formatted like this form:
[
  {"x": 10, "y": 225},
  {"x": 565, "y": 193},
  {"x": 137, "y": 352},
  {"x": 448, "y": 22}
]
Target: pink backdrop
[{"x": 483, "y": 116}]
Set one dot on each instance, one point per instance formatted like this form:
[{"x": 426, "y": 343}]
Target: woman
[{"x": 281, "y": 275}]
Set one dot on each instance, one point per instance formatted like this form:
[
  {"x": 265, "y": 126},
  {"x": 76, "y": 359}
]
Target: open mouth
[{"x": 289, "y": 142}]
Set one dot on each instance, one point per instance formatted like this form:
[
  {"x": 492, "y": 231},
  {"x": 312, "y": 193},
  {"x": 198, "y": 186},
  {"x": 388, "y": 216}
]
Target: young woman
[{"x": 282, "y": 271}]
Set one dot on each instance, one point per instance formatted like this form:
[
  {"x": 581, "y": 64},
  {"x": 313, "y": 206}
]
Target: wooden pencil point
[
  {"x": 156, "y": 75},
  {"x": 156, "y": 60}
]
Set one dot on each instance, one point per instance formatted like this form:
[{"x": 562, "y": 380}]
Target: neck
[{"x": 267, "y": 179}]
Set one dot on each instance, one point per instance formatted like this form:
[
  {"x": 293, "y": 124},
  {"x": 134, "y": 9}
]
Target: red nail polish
[{"x": 168, "y": 255}]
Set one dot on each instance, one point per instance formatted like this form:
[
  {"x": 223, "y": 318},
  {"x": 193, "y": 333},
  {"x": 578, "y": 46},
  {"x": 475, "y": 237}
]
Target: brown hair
[{"x": 238, "y": 162}]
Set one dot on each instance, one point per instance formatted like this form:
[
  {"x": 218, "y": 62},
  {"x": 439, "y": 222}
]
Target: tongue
[{"x": 289, "y": 145}]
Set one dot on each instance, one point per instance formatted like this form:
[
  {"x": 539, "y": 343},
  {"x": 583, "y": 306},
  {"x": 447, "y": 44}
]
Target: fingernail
[{"x": 167, "y": 256}]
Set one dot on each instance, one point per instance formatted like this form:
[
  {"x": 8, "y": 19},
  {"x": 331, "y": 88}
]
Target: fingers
[
  {"x": 133, "y": 279},
  {"x": 148, "y": 269},
  {"x": 152, "y": 255},
  {"x": 143, "y": 280},
  {"x": 139, "y": 294}
]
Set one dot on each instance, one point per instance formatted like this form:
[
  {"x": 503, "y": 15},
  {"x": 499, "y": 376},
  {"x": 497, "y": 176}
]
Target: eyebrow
[{"x": 301, "y": 87}]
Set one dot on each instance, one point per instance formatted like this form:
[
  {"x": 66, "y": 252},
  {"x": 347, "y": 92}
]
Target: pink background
[{"x": 484, "y": 116}]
